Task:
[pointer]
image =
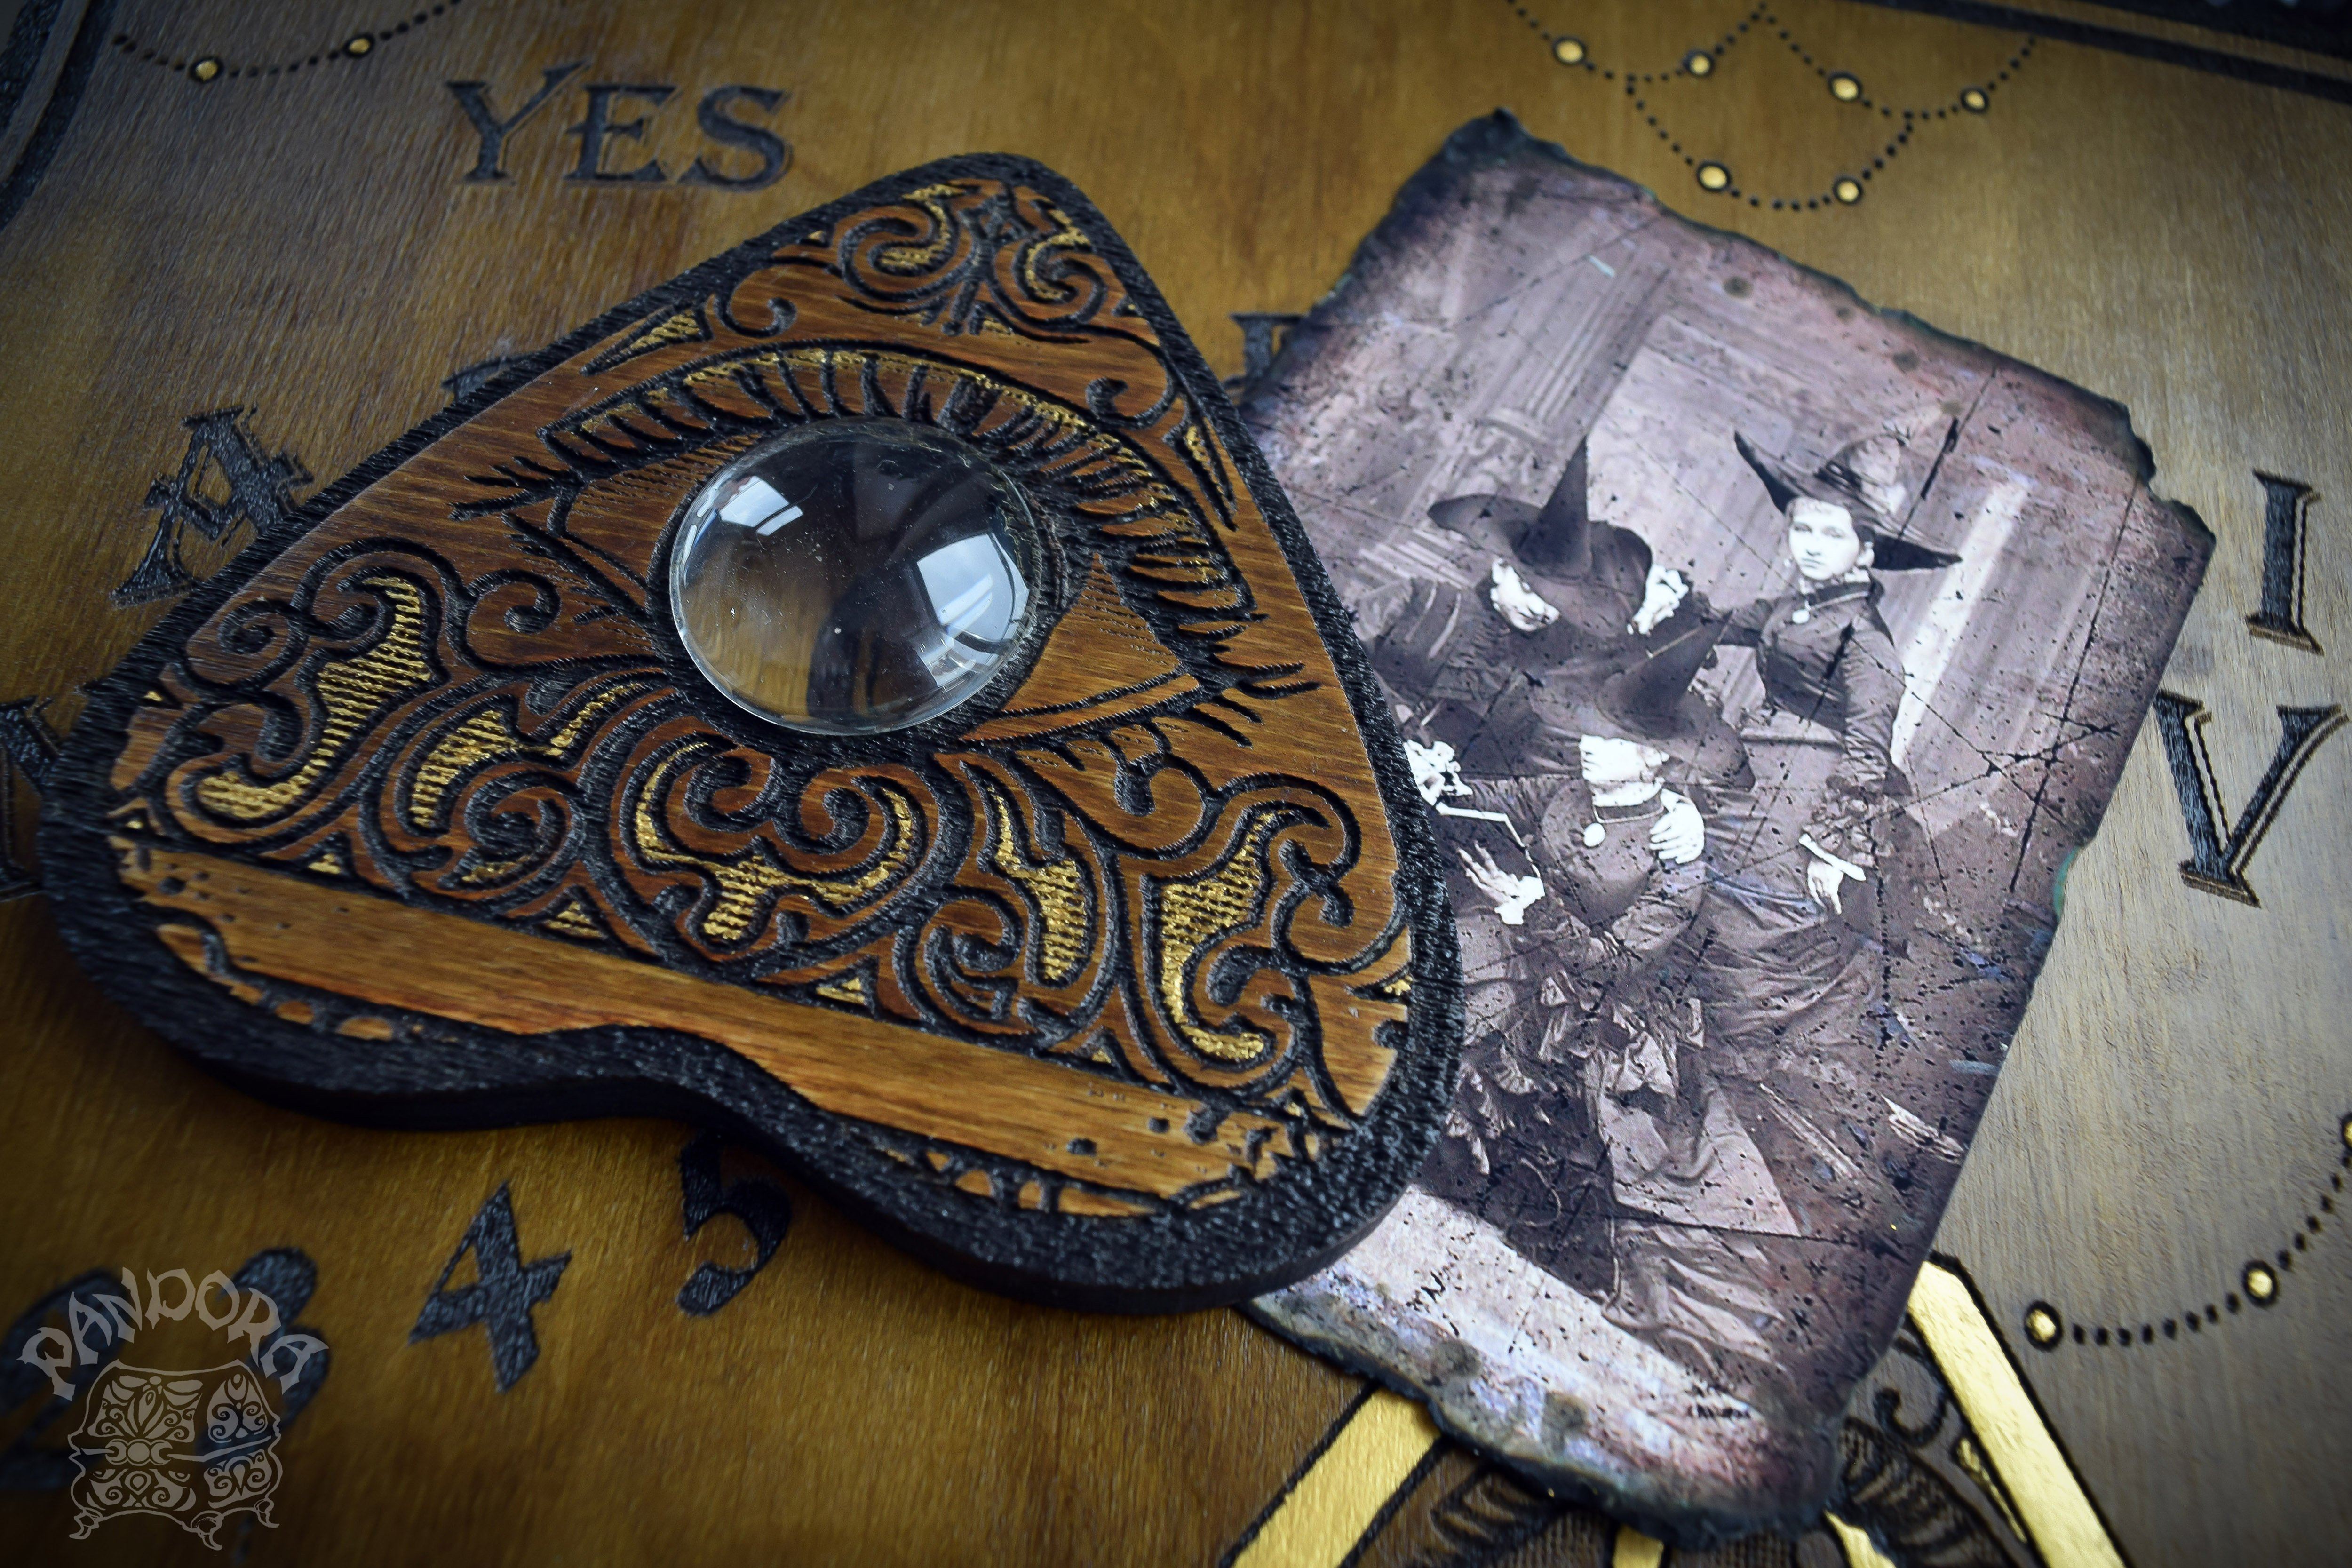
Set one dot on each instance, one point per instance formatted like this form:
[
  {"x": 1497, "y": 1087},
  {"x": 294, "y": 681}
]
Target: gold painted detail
[
  {"x": 744, "y": 886},
  {"x": 575, "y": 920},
  {"x": 680, "y": 327},
  {"x": 920, "y": 255},
  {"x": 2017, "y": 1443},
  {"x": 489, "y": 735},
  {"x": 2042, "y": 1325},
  {"x": 1324, "y": 1515},
  {"x": 243, "y": 926},
  {"x": 2008, "y": 1451},
  {"x": 2260, "y": 1284},
  {"x": 352, "y": 692},
  {"x": 1056, "y": 887},
  {"x": 1971, "y": 1458},
  {"x": 1633, "y": 1548},
  {"x": 595, "y": 799},
  {"x": 1699, "y": 66},
  {"x": 1192, "y": 914},
  {"x": 845, "y": 988},
  {"x": 1855, "y": 1544}
]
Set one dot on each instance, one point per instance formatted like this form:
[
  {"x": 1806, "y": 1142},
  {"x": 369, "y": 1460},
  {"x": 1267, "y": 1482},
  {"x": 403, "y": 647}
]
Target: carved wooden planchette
[{"x": 1126, "y": 983}]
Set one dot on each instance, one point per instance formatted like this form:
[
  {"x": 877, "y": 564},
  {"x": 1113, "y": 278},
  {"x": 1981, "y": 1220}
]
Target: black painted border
[{"x": 2124, "y": 41}]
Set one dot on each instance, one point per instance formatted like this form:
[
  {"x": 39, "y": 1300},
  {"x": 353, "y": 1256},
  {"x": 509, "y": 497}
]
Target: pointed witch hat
[
  {"x": 1631, "y": 694},
  {"x": 1842, "y": 481},
  {"x": 1552, "y": 543}
]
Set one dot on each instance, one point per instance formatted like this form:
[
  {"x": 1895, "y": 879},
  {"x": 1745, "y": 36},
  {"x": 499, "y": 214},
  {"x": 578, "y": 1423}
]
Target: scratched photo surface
[{"x": 1761, "y": 659}]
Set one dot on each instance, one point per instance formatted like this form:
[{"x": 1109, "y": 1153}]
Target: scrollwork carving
[{"x": 455, "y": 693}]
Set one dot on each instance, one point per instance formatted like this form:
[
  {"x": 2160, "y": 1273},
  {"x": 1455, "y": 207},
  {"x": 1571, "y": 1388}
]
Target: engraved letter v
[{"x": 2217, "y": 864}]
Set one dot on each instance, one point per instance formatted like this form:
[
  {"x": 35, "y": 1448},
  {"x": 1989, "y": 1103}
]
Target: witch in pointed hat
[
  {"x": 1599, "y": 1089},
  {"x": 1557, "y": 588},
  {"x": 1813, "y": 870},
  {"x": 1833, "y": 681}
]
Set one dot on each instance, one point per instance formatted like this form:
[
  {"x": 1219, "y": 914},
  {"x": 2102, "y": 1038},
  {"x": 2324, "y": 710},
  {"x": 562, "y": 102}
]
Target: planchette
[{"x": 1039, "y": 876}]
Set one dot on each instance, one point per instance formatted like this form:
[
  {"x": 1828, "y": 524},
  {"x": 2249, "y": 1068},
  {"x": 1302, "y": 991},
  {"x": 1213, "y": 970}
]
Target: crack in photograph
[{"x": 1761, "y": 659}]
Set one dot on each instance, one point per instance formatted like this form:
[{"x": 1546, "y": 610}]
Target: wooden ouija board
[{"x": 244, "y": 247}]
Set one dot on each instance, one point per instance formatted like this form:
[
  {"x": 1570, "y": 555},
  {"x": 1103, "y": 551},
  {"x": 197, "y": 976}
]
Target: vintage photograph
[{"x": 1761, "y": 658}]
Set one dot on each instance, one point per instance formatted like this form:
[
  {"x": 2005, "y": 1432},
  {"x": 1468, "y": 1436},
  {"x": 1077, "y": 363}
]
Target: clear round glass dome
[{"x": 855, "y": 576}]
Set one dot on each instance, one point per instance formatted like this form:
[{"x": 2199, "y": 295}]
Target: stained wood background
[{"x": 2159, "y": 225}]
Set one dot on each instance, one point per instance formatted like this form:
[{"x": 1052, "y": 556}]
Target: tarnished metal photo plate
[{"x": 1762, "y": 659}]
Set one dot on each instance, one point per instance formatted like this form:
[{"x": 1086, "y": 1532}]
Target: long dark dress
[
  {"x": 1605, "y": 1151},
  {"x": 1795, "y": 991}
]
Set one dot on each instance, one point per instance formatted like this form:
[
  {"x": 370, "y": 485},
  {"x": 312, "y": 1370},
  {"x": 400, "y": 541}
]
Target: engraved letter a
[{"x": 2216, "y": 863}]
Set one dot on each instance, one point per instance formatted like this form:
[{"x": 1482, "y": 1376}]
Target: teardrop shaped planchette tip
[{"x": 1011, "y": 837}]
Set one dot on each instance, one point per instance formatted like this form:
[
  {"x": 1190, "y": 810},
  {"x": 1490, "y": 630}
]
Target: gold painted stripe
[
  {"x": 1633, "y": 1548},
  {"x": 1986, "y": 1380},
  {"x": 1855, "y": 1544},
  {"x": 1323, "y": 1516}
]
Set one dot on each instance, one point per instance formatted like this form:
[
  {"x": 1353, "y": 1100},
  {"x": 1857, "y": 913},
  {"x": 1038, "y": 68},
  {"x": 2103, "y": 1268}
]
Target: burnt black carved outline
[
  {"x": 437, "y": 1074},
  {"x": 305, "y": 628}
]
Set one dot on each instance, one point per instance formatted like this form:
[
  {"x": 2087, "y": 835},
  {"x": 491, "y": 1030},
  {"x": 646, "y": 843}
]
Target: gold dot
[
  {"x": 2262, "y": 1285},
  {"x": 2042, "y": 1325},
  {"x": 1568, "y": 51},
  {"x": 1713, "y": 176},
  {"x": 1975, "y": 102},
  {"x": 2348, "y": 1131},
  {"x": 204, "y": 70},
  {"x": 1847, "y": 190},
  {"x": 1698, "y": 62},
  {"x": 359, "y": 43},
  {"x": 1845, "y": 87}
]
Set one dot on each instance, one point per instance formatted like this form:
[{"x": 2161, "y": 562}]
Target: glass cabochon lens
[{"x": 854, "y": 576}]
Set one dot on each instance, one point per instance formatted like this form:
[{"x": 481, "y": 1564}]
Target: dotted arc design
[
  {"x": 1845, "y": 90},
  {"x": 2260, "y": 1284},
  {"x": 202, "y": 67}
]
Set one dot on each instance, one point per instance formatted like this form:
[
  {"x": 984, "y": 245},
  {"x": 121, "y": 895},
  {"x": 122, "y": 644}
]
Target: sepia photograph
[{"x": 1761, "y": 659}]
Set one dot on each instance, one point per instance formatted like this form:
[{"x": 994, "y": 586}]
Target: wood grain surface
[
  {"x": 2150, "y": 210},
  {"x": 448, "y": 806}
]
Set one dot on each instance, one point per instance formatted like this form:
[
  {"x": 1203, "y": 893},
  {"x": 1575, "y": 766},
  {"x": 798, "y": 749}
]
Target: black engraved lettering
[
  {"x": 28, "y": 1465},
  {"x": 775, "y": 153},
  {"x": 762, "y": 1206},
  {"x": 27, "y": 748},
  {"x": 2219, "y": 854},
  {"x": 287, "y": 1276},
  {"x": 2287, "y": 514},
  {"x": 599, "y": 124},
  {"x": 261, "y": 491},
  {"x": 501, "y": 1299},
  {"x": 473, "y": 97}
]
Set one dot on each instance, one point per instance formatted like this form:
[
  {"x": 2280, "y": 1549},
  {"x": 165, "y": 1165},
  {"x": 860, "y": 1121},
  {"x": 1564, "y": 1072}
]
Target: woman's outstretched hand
[
  {"x": 1512, "y": 895},
  {"x": 1661, "y": 594},
  {"x": 1826, "y": 873}
]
